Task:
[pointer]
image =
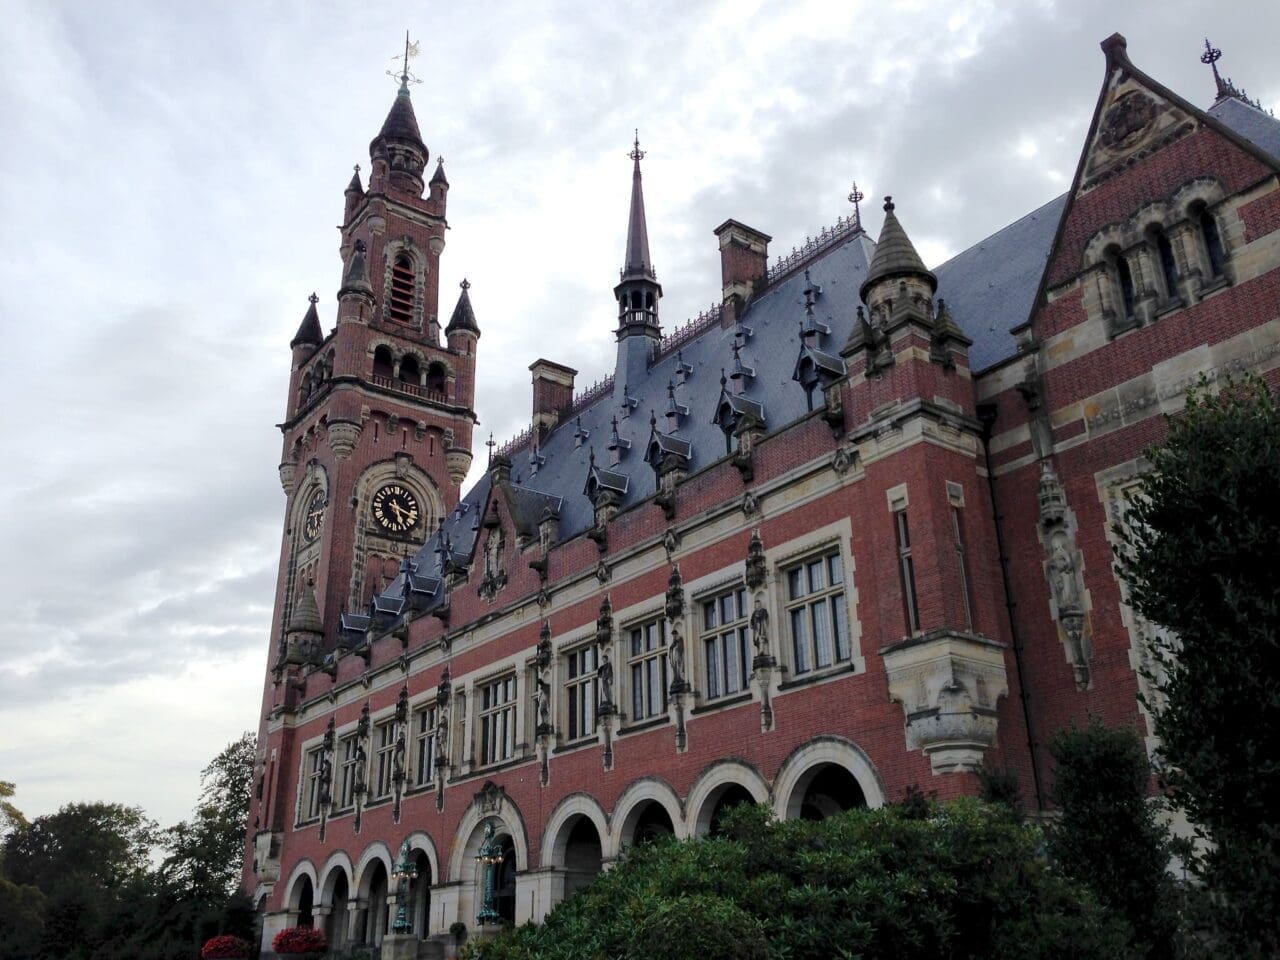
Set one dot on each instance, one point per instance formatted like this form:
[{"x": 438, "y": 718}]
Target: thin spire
[
  {"x": 309, "y": 331},
  {"x": 1225, "y": 88},
  {"x": 637, "y": 259},
  {"x": 895, "y": 254}
]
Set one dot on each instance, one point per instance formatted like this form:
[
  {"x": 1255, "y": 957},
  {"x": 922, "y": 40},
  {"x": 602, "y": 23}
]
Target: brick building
[{"x": 847, "y": 533}]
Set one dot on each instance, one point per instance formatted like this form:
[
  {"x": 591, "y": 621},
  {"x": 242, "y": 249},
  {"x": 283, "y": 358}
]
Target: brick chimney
[
  {"x": 552, "y": 393},
  {"x": 744, "y": 260}
]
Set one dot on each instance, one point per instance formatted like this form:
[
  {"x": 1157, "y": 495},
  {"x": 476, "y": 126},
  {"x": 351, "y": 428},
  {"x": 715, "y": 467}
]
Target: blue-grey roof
[
  {"x": 991, "y": 287},
  {"x": 1261, "y": 129}
]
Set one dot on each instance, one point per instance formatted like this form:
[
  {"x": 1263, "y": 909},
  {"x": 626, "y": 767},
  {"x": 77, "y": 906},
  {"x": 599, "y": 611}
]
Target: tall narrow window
[
  {"x": 424, "y": 746},
  {"x": 648, "y": 670},
  {"x": 816, "y": 613},
  {"x": 1168, "y": 265},
  {"x": 957, "y": 530},
  {"x": 498, "y": 720},
  {"x": 907, "y": 571},
  {"x": 1213, "y": 247},
  {"x": 725, "y": 635},
  {"x": 350, "y": 749},
  {"x": 384, "y": 758},
  {"x": 311, "y": 795},
  {"x": 410, "y": 372},
  {"x": 401, "y": 306},
  {"x": 1124, "y": 279},
  {"x": 580, "y": 689},
  {"x": 383, "y": 365}
]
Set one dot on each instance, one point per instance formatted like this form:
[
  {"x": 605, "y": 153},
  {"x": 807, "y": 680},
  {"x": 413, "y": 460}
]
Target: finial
[
  {"x": 357, "y": 169},
  {"x": 723, "y": 381},
  {"x": 403, "y": 75},
  {"x": 465, "y": 284},
  {"x": 636, "y": 153},
  {"x": 888, "y": 204},
  {"x": 313, "y": 299},
  {"x": 856, "y": 197},
  {"x": 490, "y": 444}
]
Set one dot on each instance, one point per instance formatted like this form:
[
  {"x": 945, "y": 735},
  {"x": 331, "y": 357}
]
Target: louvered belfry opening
[{"x": 401, "y": 307}]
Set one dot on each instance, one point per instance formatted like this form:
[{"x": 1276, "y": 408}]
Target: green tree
[
  {"x": 963, "y": 880},
  {"x": 1108, "y": 836},
  {"x": 1200, "y": 551},
  {"x": 11, "y": 817}
]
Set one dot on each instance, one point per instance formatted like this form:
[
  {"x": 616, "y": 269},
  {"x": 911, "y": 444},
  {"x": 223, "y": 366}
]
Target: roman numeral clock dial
[{"x": 395, "y": 508}]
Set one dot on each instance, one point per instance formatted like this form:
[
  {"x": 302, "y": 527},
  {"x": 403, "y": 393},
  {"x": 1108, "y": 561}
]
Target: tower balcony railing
[{"x": 412, "y": 389}]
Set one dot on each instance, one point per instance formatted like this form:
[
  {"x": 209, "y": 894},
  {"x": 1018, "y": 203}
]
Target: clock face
[
  {"x": 395, "y": 508},
  {"x": 313, "y": 522}
]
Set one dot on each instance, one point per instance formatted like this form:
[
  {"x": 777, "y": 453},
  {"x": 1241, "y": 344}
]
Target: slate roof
[
  {"x": 989, "y": 289},
  {"x": 401, "y": 123}
]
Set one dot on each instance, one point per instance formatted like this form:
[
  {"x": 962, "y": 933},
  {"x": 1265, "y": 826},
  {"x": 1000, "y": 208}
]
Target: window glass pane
[
  {"x": 842, "y": 627},
  {"x": 816, "y": 579},
  {"x": 742, "y": 603},
  {"x": 821, "y": 635},
  {"x": 800, "y": 640},
  {"x": 795, "y": 583},
  {"x": 708, "y": 616},
  {"x": 637, "y": 692},
  {"x": 713, "y": 669},
  {"x": 636, "y": 643},
  {"x": 732, "y": 665},
  {"x": 836, "y": 563}
]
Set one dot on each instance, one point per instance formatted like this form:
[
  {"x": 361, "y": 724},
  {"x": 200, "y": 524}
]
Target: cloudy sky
[{"x": 169, "y": 188}]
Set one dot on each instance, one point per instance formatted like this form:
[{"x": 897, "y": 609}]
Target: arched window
[
  {"x": 1163, "y": 250},
  {"x": 382, "y": 362},
  {"x": 402, "y": 284},
  {"x": 1127, "y": 295},
  {"x": 410, "y": 372},
  {"x": 1215, "y": 252},
  {"x": 436, "y": 378}
]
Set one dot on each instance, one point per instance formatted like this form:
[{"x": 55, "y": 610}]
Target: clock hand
[{"x": 395, "y": 508}]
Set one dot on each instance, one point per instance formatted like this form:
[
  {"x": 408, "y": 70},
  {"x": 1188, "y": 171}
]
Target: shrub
[
  {"x": 224, "y": 947},
  {"x": 293, "y": 940}
]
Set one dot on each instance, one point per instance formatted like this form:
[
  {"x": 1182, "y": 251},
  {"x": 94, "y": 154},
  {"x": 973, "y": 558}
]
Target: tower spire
[{"x": 638, "y": 290}]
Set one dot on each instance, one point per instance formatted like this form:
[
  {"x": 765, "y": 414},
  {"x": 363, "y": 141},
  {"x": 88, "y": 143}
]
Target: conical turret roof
[
  {"x": 464, "y": 318},
  {"x": 895, "y": 254},
  {"x": 309, "y": 331},
  {"x": 401, "y": 123},
  {"x": 438, "y": 176},
  {"x": 306, "y": 614}
]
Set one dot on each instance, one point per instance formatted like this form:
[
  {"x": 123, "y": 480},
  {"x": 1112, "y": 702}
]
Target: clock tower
[{"x": 378, "y": 425}]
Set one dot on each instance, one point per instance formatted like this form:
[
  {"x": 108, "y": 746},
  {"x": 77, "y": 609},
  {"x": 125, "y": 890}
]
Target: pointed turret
[
  {"x": 305, "y": 629},
  {"x": 464, "y": 318},
  {"x": 354, "y": 194},
  {"x": 638, "y": 291},
  {"x": 895, "y": 256},
  {"x": 398, "y": 153},
  {"x": 309, "y": 332},
  {"x": 439, "y": 185}
]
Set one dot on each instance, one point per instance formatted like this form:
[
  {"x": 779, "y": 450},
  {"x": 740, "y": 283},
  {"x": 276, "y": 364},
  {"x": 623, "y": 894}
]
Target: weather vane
[
  {"x": 856, "y": 197},
  {"x": 636, "y": 153},
  {"x": 403, "y": 74},
  {"x": 490, "y": 444}
]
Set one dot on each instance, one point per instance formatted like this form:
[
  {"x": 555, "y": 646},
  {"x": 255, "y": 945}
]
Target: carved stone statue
[
  {"x": 604, "y": 673},
  {"x": 442, "y": 735},
  {"x": 760, "y": 628},
  {"x": 1062, "y": 577},
  {"x": 675, "y": 657},
  {"x": 542, "y": 702}
]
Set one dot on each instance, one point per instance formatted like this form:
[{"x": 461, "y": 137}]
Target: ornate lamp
[
  {"x": 489, "y": 857},
  {"x": 406, "y": 872}
]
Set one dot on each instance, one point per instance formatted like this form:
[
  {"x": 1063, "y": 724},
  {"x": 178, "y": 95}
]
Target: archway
[
  {"x": 825, "y": 790},
  {"x": 724, "y": 784},
  {"x": 728, "y": 797},
  {"x": 583, "y": 852},
  {"x": 504, "y": 880},
  {"x": 375, "y": 918},
  {"x": 337, "y": 897},
  {"x": 420, "y": 894},
  {"x": 652, "y": 822},
  {"x": 306, "y": 902}
]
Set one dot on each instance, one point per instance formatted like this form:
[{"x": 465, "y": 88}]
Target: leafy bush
[
  {"x": 225, "y": 947},
  {"x": 299, "y": 940},
  {"x": 958, "y": 880}
]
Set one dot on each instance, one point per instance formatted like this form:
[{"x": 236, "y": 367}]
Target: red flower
[
  {"x": 224, "y": 947},
  {"x": 299, "y": 940}
]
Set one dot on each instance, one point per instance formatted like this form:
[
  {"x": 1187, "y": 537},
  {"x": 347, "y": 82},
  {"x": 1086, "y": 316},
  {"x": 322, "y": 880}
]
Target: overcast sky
[{"x": 170, "y": 183}]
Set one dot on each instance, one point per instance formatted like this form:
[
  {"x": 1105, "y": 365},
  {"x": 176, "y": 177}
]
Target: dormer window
[{"x": 402, "y": 287}]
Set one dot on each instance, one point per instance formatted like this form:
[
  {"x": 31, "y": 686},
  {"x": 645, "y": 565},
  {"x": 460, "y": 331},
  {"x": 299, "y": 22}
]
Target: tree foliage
[
  {"x": 1200, "y": 551},
  {"x": 964, "y": 881},
  {"x": 1108, "y": 836}
]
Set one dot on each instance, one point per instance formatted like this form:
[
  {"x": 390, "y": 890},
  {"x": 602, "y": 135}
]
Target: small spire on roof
[
  {"x": 464, "y": 317},
  {"x": 856, "y": 197},
  {"x": 309, "y": 331},
  {"x": 1224, "y": 87},
  {"x": 355, "y": 186},
  {"x": 895, "y": 255}
]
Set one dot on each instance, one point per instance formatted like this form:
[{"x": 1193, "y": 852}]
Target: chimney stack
[
  {"x": 552, "y": 393},
  {"x": 744, "y": 260}
]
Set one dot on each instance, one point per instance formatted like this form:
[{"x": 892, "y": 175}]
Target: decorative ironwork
[
  {"x": 489, "y": 857},
  {"x": 403, "y": 75},
  {"x": 826, "y": 238},
  {"x": 687, "y": 331},
  {"x": 406, "y": 872}
]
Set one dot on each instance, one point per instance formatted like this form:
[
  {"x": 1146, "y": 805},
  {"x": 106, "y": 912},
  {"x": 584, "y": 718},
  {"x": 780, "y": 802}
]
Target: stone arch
[
  {"x": 631, "y": 806},
  {"x": 555, "y": 836},
  {"x": 421, "y": 840},
  {"x": 423, "y": 848},
  {"x": 1203, "y": 191},
  {"x": 711, "y": 786},
  {"x": 375, "y": 852},
  {"x": 303, "y": 870},
  {"x": 809, "y": 759},
  {"x": 466, "y": 840},
  {"x": 1121, "y": 236},
  {"x": 337, "y": 862}
]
